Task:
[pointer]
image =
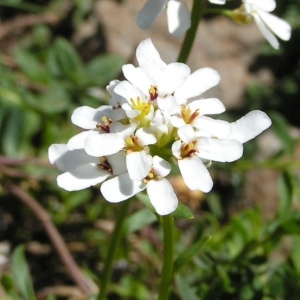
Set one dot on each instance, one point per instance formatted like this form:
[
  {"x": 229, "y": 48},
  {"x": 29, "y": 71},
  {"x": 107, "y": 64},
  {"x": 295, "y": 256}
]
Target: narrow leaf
[{"x": 21, "y": 274}]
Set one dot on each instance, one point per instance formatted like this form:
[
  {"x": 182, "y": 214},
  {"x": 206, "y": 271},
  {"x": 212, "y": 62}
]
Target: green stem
[
  {"x": 196, "y": 15},
  {"x": 115, "y": 239},
  {"x": 168, "y": 255},
  {"x": 216, "y": 11}
]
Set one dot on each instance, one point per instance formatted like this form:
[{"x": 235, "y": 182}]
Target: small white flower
[
  {"x": 179, "y": 19},
  {"x": 269, "y": 25},
  {"x": 191, "y": 112},
  {"x": 169, "y": 85},
  {"x": 82, "y": 170},
  {"x": 220, "y": 2},
  {"x": 190, "y": 147},
  {"x": 94, "y": 120},
  {"x": 155, "y": 113},
  {"x": 159, "y": 189}
]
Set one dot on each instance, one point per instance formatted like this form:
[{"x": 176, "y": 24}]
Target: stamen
[
  {"x": 188, "y": 150},
  {"x": 187, "y": 114},
  {"x": 153, "y": 92},
  {"x": 151, "y": 176},
  {"x": 104, "y": 164},
  {"x": 132, "y": 144},
  {"x": 106, "y": 121}
]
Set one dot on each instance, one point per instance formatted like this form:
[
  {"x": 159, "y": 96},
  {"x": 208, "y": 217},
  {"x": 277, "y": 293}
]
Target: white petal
[
  {"x": 77, "y": 141},
  {"x": 84, "y": 117},
  {"x": 145, "y": 137},
  {"x": 66, "y": 160},
  {"x": 137, "y": 77},
  {"x": 123, "y": 130},
  {"x": 120, "y": 188},
  {"x": 249, "y": 126},
  {"x": 149, "y": 59},
  {"x": 216, "y": 128},
  {"x": 103, "y": 144},
  {"x": 172, "y": 77},
  {"x": 82, "y": 177},
  {"x": 186, "y": 133},
  {"x": 161, "y": 167},
  {"x": 128, "y": 91},
  {"x": 280, "y": 27},
  {"x": 219, "y": 150},
  {"x": 266, "y": 32},
  {"x": 266, "y": 5},
  {"x": 87, "y": 117},
  {"x": 138, "y": 164},
  {"x": 217, "y": 1},
  {"x": 197, "y": 83},
  {"x": 176, "y": 149},
  {"x": 177, "y": 121},
  {"x": 115, "y": 99},
  {"x": 179, "y": 17},
  {"x": 117, "y": 162},
  {"x": 195, "y": 174},
  {"x": 168, "y": 105},
  {"x": 208, "y": 106},
  {"x": 149, "y": 13},
  {"x": 162, "y": 196}
]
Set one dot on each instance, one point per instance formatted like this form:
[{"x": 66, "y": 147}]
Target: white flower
[
  {"x": 154, "y": 118},
  {"x": 99, "y": 120},
  {"x": 179, "y": 20},
  {"x": 191, "y": 112},
  {"x": 191, "y": 150},
  {"x": 269, "y": 25},
  {"x": 81, "y": 170},
  {"x": 160, "y": 191},
  {"x": 221, "y": 2},
  {"x": 170, "y": 85}
]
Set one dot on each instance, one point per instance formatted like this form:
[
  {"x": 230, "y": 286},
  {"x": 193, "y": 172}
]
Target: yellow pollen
[
  {"x": 188, "y": 150},
  {"x": 132, "y": 144},
  {"x": 151, "y": 176},
  {"x": 187, "y": 114},
  {"x": 153, "y": 92},
  {"x": 143, "y": 107}
]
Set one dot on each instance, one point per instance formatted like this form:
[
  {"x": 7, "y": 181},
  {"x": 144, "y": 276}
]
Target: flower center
[
  {"x": 143, "y": 107},
  {"x": 187, "y": 114},
  {"x": 104, "y": 164},
  {"x": 188, "y": 150},
  {"x": 106, "y": 122},
  {"x": 153, "y": 92},
  {"x": 132, "y": 144},
  {"x": 151, "y": 176}
]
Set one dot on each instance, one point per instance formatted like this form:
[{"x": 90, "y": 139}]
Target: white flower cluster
[
  {"x": 154, "y": 119},
  {"x": 179, "y": 19}
]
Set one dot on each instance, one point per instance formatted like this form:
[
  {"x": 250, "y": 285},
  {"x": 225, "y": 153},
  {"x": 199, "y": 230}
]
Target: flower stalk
[
  {"x": 114, "y": 243},
  {"x": 196, "y": 16},
  {"x": 168, "y": 255}
]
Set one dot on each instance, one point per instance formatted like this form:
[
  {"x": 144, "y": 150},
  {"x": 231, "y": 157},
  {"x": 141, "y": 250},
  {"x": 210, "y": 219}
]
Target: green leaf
[
  {"x": 183, "y": 212},
  {"x": 54, "y": 100},
  {"x": 286, "y": 192},
  {"x": 138, "y": 220},
  {"x": 185, "y": 290},
  {"x": 146, "y": 201},
  {"x": 31, "y": 66},
  {"x": 189, "y": 253},
  {"x": 21, "y": 275},
  {"x": 12, "y": 132},
  {"x": 64, "y": 62},
  {"x": 103, "y": 69}
]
